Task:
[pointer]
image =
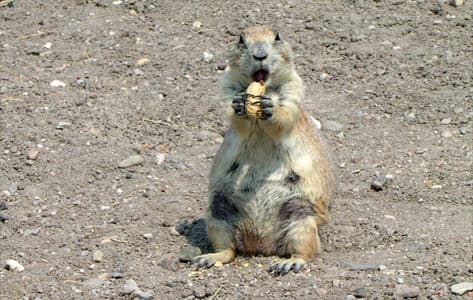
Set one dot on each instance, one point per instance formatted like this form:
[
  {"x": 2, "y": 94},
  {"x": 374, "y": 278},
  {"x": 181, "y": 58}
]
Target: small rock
[
  {"x": 138, "y": 72},
  {"x": 199, "y": 292},
  {"x": 321, "y": 292},
  {"x": 463, "y": 130},
  {"x": 324, "y": 76},
  {"x": 332, "y": 125},
  {"x": 455, "y": 3},
  {"x": 169, "y": 262},
  {"x": 446, "y": 134},
  {"x": 406, "y": 291},
  {"x": 197, "y": 24},
  {"x": 160, "y": 157},
  {"x": 142, "y": 61},
  {"x": 188, "y": 253},
  {"x": 57, "y": 83},
  {"x": 381, "y": 182},
  {"x": 3, "y": 218},
  {"x": 13, "y": 265},
  {"x": 3, "y": 206},
  {"x": 207, "y": 57},
  {"x": 461, "y": 288},
  {"x": 148, "y": 236},
  {"x": 131, "y": 161},
  {"x": 48, "y": 45},
  {"x": 410, "y": 118},
  {"x": 445, "y": 121},
  {"x": 364, "y": 267},
  {"x": 98, "y": 256},
  {"x": 130, "y": 286},
  {"x": 360, "y": 293},
  {"x": 93, "y": 283},
  {"x": 62, "y": 124},
  {"x": 32, "y": 154},
  {"x": 117, "y": 275},
  {"x": 350, "y": 297}
]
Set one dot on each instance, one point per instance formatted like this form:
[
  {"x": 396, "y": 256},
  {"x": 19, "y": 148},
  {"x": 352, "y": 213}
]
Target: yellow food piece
[{"x": 255, "y": 89}]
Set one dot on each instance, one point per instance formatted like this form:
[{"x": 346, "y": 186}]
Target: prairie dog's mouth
[{"x": 260, "y": 75}]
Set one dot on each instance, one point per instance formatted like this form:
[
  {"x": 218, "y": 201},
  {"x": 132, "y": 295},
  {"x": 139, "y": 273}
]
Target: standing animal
[{"x": 271, "y": 182}]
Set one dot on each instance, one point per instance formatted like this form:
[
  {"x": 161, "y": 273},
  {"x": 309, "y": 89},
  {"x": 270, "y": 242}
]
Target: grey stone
[
  {"x": 364, "y": 267},
  {"x": 461, "y": 288},
  {"x": 188, "y": 253},
  {"x": 332, "y": 125},
  {"x": 133, "y": 160},
  {"x": 406, "y": 291}
]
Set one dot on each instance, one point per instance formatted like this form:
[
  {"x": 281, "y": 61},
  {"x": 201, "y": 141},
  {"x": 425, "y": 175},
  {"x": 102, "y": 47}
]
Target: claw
[
  {"x": 286, "y": 265},
  {"x": 203, "y": 261}
]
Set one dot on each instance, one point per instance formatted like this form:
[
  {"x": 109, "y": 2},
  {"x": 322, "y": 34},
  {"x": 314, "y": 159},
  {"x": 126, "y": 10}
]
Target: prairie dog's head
[{"x": 260, "y": 54}]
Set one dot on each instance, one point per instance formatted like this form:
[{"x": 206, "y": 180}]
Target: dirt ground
[{"x": 86, "y": 84}]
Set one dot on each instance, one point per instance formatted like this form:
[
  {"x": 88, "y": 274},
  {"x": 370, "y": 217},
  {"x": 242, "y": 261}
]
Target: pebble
[
  {"x": 364, "y": 267},
  {"x": 130, "y": 287},
  {"x": 169, "y": 262},
  {"x": 57, "y": 83},
  {"x": 445, "y": 121},
  {"x": 13, "y": 265},
  {"x": 148, "y": 236},
  {"x": 321, "y": 292},
  {"x": 98, "y": 256},
  {"x": 446, "y": 134},
  {"x": 199, "y": 292},
  {"x": 406, "y": 291},
  {"x": 324, "y": 76},
  {"x": 32, "y": 154},
  {"x": 410, "y": 118},
  {"x": 332, "y": 125},
  {"x": 3, "y": 206},
  {"x": 461, "y": 288},
  {"x": 455, "y": 3},
  {"x": 93, "y": 283},
  {"x": 131, "y": 161},
  {"x": 197, "y": 24},
  {"x": 142, "y": 61},
  {"x": 381, "y": 182},
  {"x": 138, "y": 72},
  {"x": 62, "y": 124},
  {"x": 188, "y": 253},
  {"x": 350, "y": 297},
  {"x": 3, "y": 218},
  {"x": 207, "y": 57},
  {"x": 360, "y": 293}
]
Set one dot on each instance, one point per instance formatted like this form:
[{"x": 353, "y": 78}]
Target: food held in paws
[{"x": 255, "y": 90}]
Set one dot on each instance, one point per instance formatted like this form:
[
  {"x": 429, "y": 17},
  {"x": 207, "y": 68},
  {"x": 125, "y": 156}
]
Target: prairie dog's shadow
[{"x": 195, "y": 234}]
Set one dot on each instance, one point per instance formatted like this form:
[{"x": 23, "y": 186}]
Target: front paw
[
  {"x": 267, "y": 108},
  {"x": 238, "y": 104}
]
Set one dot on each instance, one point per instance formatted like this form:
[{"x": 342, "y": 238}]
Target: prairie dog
[{"x": 270, "y": 182}]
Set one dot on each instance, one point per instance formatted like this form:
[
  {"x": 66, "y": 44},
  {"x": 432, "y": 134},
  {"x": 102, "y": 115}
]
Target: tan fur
[{"x": 270, "y": 182}]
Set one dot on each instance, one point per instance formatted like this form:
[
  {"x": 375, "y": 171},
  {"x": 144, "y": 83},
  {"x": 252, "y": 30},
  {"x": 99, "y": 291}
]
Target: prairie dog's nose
[{"x": 260, "y": 53}]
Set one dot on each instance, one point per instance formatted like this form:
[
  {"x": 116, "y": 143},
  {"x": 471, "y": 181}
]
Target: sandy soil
[{"x": 395, "y": 77}]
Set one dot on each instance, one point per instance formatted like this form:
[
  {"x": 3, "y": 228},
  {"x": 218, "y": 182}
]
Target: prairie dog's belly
[{"x": 258, "y": 194}]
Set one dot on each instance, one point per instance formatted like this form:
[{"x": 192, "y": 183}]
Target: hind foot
[
  {"x": 283, "y": 266},
  {"x": 208, "y": 260}
]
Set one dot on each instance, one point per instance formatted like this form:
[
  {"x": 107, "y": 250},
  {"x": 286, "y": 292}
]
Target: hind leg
[
  {"x": 298, "y": 236},
  {"x": 220, "y": 231},
  {"x": 300, "y": 242},
  {"x": 221, "y": 239}
]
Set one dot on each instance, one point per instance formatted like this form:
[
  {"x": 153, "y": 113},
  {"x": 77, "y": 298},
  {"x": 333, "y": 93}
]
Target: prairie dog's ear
[{"x": 277, "y": 36}]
